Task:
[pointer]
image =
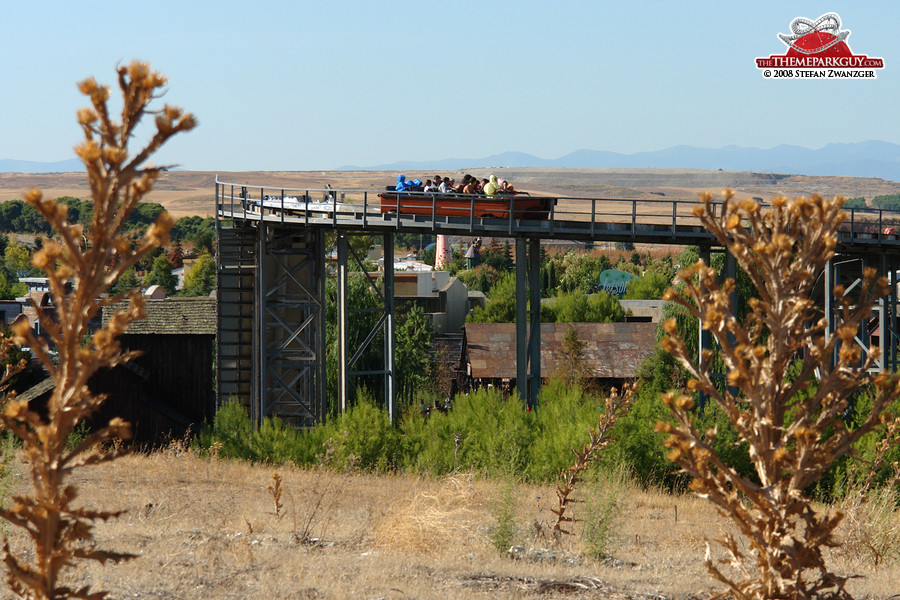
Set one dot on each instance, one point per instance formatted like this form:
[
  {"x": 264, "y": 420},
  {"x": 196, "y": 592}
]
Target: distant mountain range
[
  {"x": 862, "y": 159},
  {"x": 8, "y": 165}
]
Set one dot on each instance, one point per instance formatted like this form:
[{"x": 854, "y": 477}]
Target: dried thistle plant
[
  {"x": 783, "y": 250},
  {"x": 276, "y": 490},
  {"x": 616, "y": 405},
  {"x": 78, "y": 277}
]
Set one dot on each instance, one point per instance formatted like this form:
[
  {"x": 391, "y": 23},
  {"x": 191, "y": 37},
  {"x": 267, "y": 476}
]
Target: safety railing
[{"x": 519, "y": 214}]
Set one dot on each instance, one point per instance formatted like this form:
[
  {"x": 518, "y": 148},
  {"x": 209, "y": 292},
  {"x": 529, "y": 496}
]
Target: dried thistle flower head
[
  {"x": 78, "y": 278},
  {"x": 782, "y": 249}
]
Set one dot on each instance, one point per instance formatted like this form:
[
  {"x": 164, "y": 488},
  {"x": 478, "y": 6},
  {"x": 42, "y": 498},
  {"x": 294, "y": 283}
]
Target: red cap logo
[{"x": 818, "y": 49}]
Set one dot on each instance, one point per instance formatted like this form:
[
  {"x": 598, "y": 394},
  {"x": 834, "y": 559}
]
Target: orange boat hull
[{"x": 460, "y": 205}]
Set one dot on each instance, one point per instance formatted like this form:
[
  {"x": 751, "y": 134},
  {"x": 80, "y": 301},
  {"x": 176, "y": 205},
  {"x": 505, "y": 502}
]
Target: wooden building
[
  {"x": 169, "y": 388},
  {"x": 612, "y": 352}
]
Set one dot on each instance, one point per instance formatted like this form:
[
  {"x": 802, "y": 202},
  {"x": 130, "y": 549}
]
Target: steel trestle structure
[{"x": 271, "y": 273}]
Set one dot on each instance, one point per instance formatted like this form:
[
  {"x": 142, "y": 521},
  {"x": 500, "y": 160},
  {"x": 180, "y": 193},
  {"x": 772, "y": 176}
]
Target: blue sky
[{"x": 280, "y": 85}]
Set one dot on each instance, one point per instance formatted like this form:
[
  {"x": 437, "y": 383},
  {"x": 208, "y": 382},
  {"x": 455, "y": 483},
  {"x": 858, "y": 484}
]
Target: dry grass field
[
  {"x": 186, "y": 193},
  {"x": 206, "y": 529}
]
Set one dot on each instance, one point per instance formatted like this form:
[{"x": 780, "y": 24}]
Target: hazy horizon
[{"x": 282, "y": 85}]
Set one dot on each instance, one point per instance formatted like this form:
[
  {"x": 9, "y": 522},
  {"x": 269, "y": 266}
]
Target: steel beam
[
  {"x": 891, "y": 317},
  {"x": 289, "y": 325},
  {"x": 259, "y": 343},
  {"x": 342, "y": 323},
  {"x": 521, "y": 320},
  {"x": 534, "y": 329},
  {"x": 390, "y": 367},
  {"x": 528, "y": 320}
]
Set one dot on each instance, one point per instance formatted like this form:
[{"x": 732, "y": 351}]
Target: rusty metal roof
[{"x": 612, "y": 350}]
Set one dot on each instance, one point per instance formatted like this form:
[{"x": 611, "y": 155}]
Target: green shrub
[
  {"x": 362, "y": 438},
  {"x": 602, "y": 507},
  {"x": 483, "y": 430},
  {"x": 273, "y": 441},
  {"x": 578, "y": 307},
  {"x": 231, "y": 431},
  {"x": 637, "y": 447},
  {"x": 413, "y": 436},
  {"x": 504, "y": 529},
  {"x": 560, "y": 424}
]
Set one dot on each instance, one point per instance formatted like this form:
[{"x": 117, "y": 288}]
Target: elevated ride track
[{"x": 272, "y": 269}]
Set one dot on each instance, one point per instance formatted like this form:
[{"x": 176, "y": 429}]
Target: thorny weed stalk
[
  {"x": 794, "y": 432},
  {"x": 320, "y": 499},
  {"x": 78, "y": 277},
  {"x": 275, "y": 490},
  {"x": 616, "y": 405}
]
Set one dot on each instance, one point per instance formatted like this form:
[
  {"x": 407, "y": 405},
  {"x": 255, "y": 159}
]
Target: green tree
[
  {"x": 31, "y": 221},
  {"x": 128, "y": 281},
  {"x": 580, "y": 271},
  {"x": 481, "y": 278},
  {"x": 501, "y": 303},
  {"x": 8, "y": 290},
  {"x": 161, "y": 274},
  {"x": 430, "y": 256},
  {"x": 413, "y": 354},
  {"x": 144, "y": 215},
  {"x": 201, "y": 279},
  {"x": 649, "y": 287},
  {"x": 17, "y": 260},
  {"x": 497, "y": 257},
  {"x": 887, "y": 201},
  {"x": 578, "y": 307},
  {"x": 571, "y": 367},
  {"x": 199, "y": 230},
  {"x": 9, "y": 212}
]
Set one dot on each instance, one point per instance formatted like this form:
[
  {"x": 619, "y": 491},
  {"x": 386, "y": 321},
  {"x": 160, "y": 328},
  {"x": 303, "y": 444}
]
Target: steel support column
[
  {"x": 521, "y": 320},
  {"x": 829, "y": 299},
  {"x": 236, "y": 247},
  {"x": 528, "y": 320},
  {"x": 259, "y": 344},
  {"x": 730, "y": 272},
  {"x": 290, "y": 325},
  {"x": 534, "y": 330},
  {"x": 342, "y": 324},
  {"x": 884, "y": 330},
  {"x": 849, "y": 271},
  {"x": 390, "y": 367},
  {"x": 891, "y": 318},
  {"x": 704, "y": 337}
]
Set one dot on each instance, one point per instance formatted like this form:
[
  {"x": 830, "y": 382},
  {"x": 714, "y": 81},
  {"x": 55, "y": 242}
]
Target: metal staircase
[{"x": 235, "y": 339}]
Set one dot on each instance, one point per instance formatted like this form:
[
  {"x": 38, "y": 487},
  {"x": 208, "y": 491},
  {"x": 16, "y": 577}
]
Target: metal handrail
[{"x": 595, "y": 218}]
